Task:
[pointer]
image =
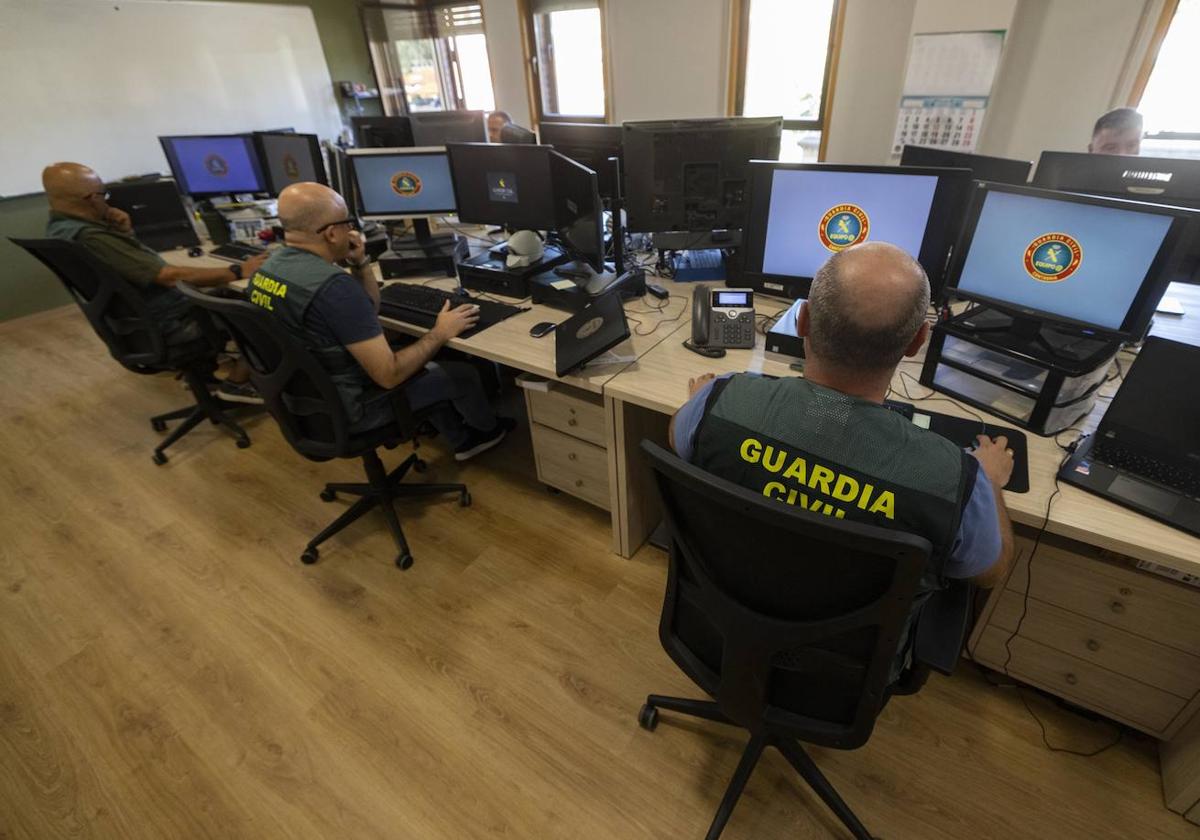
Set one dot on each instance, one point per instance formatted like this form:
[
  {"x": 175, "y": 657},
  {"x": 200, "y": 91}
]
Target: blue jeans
[{"x": 454, "y": 382}]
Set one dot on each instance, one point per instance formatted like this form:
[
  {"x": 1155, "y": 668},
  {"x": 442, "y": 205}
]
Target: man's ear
[
  {"x": 803, "y": 321},
  {"x": 918, "y": 341}
]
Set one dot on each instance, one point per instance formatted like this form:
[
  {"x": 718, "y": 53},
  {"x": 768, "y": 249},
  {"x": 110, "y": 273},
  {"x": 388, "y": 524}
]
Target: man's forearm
[
  {"x": 172, "y": 274},
  {"x": 410, "y": 359}
]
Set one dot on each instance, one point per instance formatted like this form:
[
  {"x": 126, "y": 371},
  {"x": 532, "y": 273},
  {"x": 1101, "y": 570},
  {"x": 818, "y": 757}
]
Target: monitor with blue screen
[
  {"x": 1080, "y": 261},
  {"x": 218, "y": 164},
  {"x": 401, "y": 183},
  {"x": 802, "y": 214}
]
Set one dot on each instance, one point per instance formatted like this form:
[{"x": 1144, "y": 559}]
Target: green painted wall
[{"x": 26, "y": 287}]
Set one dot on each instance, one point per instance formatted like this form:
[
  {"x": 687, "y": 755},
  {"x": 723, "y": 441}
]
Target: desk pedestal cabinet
[
  {"x": 1102, "y": 634},
  {"x": 570, "y": 441}
]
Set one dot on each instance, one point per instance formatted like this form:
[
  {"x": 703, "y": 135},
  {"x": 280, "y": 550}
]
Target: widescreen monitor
[
  {"x": 402, "y": 183},
  {"x": 802, "y": 214},
  {"x": 437, "y": 128},
  {"x": 381, "y": 132},
  {"x": 1173, "y": 181},
  {"x": 1082, "y": 262},
  {"x": 580, "y": 222},
  {"x": 592, "y": 145},
  {"x": 983, "y": 167},
  {"x": 288, "y": 158},
  {"x": 214, "y": 164},
  {"x": 501, "y": 184},
  {"x": 692, "y": 175}
]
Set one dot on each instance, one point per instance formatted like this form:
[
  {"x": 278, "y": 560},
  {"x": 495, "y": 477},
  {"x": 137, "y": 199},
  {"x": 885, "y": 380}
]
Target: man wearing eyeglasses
[
  {"x": 79, "y": 212},
  {"x": 335, "y": 314}
]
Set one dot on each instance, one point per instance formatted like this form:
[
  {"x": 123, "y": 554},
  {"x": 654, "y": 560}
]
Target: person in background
[
  {"x": 335, "y": 313},
  {"x": 495, "y": 125},
  {"x": 1119, "y": 132},
  {"x": 79, "y": 212},
  {"x": 826, "y": 441}
]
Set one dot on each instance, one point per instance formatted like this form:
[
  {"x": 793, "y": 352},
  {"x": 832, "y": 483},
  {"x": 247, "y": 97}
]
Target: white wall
[{"x": 502, "y": 27}]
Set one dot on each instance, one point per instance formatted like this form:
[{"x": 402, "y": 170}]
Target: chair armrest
[{"x": 942, "y": 627}]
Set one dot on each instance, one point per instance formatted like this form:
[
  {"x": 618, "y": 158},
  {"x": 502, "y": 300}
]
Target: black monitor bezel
[
  {"x": 1048, "y": 159},
  {"x": 589, "y": 136},
  {"x": 352, "y": 154},
  {"x": 502, "y": 148},
  {"x": 595, "y": 260},
  {"x": 314, "y": 151},
  {"x": 400, "y": 121},
  {"x": 1141, "y": 309},
  {"x": 962, "y": 160},
  {"x": 177, "y": 173},
  {"x": 941, "y": 228},
  {"x": 453, "y": 117}
]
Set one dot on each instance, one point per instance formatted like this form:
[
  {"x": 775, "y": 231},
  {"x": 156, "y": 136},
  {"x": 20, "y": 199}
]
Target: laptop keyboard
[{"x": 1186, "y": 481}]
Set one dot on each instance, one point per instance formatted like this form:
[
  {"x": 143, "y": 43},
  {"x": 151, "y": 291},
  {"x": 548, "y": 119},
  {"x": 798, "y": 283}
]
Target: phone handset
[{"x": 701, "y": 324}]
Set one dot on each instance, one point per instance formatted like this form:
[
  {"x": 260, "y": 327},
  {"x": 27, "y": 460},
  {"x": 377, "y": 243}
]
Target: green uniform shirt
[{"x": 121, "y": 252}]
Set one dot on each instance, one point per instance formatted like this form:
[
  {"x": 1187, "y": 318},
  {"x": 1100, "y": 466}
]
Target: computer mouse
[
  {"x": 195, "y": 251},
  {"x": 542, "y": 329}
]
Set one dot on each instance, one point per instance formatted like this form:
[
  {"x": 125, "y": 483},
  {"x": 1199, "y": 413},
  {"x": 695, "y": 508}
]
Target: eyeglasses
[{"x": 352, "y": 222}]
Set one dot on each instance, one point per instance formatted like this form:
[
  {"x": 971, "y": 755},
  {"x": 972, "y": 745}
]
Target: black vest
[
  {"x": 286, "y": 285},
  {"x": 839, "y": 455}
]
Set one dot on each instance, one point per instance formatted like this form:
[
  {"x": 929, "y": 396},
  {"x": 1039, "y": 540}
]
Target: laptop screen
[{"x": 1158, "y": 404}]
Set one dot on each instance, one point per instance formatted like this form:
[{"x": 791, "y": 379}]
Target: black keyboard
[
  {"x": 420, "y": 305},
  {"x": 236, "y": 251},
  {"x": 1175, "y": 476}
]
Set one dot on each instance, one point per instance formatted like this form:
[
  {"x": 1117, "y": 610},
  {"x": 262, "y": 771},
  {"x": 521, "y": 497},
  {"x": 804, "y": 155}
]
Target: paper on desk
[
  {"x": 1169, "y": 306},
  {"x": 563, "y": 284},
  {"x": 612, "y": 358}
]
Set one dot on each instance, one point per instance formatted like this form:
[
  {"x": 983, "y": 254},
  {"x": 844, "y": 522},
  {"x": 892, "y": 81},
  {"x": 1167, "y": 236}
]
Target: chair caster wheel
[
  {"x": 159, "y": 458},
  {"x": 404, "y": 561},
  {"x": 158, "y": 425},
  {"x": 328, "y": 495},
  {"x": 243, "y": 443},
  {"x": 309, "y": 556},
  {"x": 420, "y": 466},
  {"x": 465, "y": 499},
  {"x": 648, "y": 717}
]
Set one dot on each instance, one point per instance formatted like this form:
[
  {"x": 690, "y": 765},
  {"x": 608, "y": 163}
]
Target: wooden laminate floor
[{"x": 168, "y": 669}]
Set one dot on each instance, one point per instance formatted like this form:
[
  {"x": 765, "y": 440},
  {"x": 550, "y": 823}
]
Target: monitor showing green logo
[
  {"x": 843, "y": 225},
  {"x": 1053, "y": 257}
]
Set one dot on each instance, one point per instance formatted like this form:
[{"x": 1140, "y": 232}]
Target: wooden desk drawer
[
  {"x": 1100, "y": 644},
  {"x": 573, "y": 412},
  {"x": 1129, "y": 701},
  {"x": 571, "y": 465},
  {"x": 1083, "y": 582}
]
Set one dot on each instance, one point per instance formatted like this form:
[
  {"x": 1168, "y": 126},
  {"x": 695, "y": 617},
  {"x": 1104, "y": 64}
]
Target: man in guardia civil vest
[
  {"x": 335, "y": 313},
  {"x": 827, "y": 443},
  {"x": 79, "y": 212}
]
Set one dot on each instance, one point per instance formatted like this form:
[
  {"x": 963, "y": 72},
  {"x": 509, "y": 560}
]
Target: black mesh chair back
[
  {"x": 114, "y": 309},
  {"x": 788, "y": 618},
  {"x": 298, "y": 392}
]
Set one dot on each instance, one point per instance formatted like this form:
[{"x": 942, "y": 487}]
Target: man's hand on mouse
[
  {"x": 995, "y": 459},
  {"x": 452, "y": 323}
]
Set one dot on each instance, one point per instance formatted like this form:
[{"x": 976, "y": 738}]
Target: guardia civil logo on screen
[
  {"x": 1053, "y": 257},
  {"x": 216, "y": 166},
  {"x": 406, "y": 184},
  {"x": 843, "y": 225}
]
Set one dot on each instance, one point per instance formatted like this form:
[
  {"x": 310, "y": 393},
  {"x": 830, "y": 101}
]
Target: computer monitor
[
  {"x": 402, "y": 183},
  {"x": 289, "y": 158},
  {"x": 580, "y": 222},
  {"x": 1160, "y": 180},
  {"x": 437, "y": 128},
  {"x": 214, "y": 164},
  {"x": 692, "y": 175},
  {"x": 803, "y": 213},
  {"x": 381, "y": 132},
  {"x": 156, "y": 211},
  {"x": 508, "y": 185},
  {"x": 983, "y": 167},
  {"x": 1082, "y": 263},
  {"x": 513, "y": 133},
  {"x": 590, "y": 144}
]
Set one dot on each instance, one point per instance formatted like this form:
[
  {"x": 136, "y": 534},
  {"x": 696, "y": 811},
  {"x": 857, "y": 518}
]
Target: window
[
  {"x": 565, "y": 52},
  {"x": 785, "y": 59},
  {"x": 1164, "y": 91},
  {"x": 430, "y": 56}
]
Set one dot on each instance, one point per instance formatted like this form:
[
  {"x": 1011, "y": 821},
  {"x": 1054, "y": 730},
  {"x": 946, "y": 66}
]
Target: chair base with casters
[
  {"x": 381, "y": 490},
  {"x": 789, "y": 747},
  {"x": 207, "y": 407}
]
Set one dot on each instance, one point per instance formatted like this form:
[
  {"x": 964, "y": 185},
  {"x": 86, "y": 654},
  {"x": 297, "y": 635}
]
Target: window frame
[
  {"x": 533, "y": 84},
  {"x": 395, "y": 103},
  {"x": 740, "y": 50},
  {"x": 1165, "y": 18}
]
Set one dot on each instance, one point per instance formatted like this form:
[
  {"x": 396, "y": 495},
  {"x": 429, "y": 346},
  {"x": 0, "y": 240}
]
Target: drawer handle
[
  {"x": 1093, "y": 645},
  {"x": 1117, "y": 607},
  {"x": 572, "y": 422},
  {"x": 579, "y": 482},
  {"x": 1071, "y": 679},
  {"x": 1125, "y": 591},
  {"x": 571, "y": 456}
]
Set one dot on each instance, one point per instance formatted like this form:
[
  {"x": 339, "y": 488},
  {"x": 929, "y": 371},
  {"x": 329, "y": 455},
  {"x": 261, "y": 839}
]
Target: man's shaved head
[
  {"x": 306, "y": 206},
  {"x": 866, "y": 306},
  {"x": 71, "y": 187}
]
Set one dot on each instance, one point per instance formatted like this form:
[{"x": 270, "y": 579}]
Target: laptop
[
  {"x": 1145, "y": 453},
  {"x": 590, "y": 332},
  {"x": 160, "y": 219}
]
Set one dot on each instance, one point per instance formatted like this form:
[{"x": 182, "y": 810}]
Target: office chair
[
  {"x": 303, "y": 399},
  {"x": 136, "y": 339},
  {"x": 795, "y": 637}
]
